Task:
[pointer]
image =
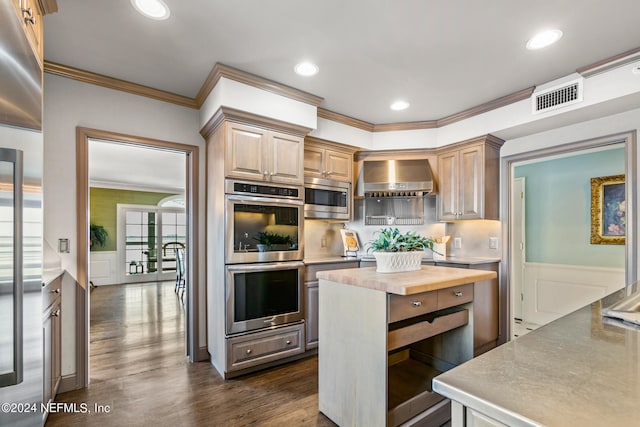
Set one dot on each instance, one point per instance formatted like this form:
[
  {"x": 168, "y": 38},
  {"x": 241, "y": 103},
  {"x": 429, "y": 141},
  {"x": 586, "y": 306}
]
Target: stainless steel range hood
[{"x": 397, "y": 178}]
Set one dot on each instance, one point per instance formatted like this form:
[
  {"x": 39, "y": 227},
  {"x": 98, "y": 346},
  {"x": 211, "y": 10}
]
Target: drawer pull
[
  {"x": 248, "y": 351},
  {"x": 288, "y": 342},
  {"x": 416, "y": 303},
  {"x": 458, "y": 293},
  {"x": 56, "y": 313},
  {"x": 55, "y": 291}
]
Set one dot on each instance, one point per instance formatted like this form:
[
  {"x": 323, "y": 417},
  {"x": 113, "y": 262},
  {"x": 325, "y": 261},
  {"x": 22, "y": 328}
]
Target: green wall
[
  {"x": 558, "y": 209},
  {"x": 103, "y": 209}
]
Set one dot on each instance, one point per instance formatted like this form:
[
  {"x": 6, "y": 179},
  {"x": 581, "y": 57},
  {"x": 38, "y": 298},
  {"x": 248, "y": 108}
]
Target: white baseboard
[
  {"x": 103, "y": 268},
  {"x": 553, "y": 290}
]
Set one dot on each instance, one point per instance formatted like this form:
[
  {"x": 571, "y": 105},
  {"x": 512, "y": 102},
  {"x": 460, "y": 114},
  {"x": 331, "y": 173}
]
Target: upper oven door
[
  {"x": 325, "y": 199},
  {"x": 262, "y": 229}
]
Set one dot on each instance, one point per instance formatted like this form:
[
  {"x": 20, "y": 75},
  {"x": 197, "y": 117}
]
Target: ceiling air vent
[{"x": 557, "y": 97}]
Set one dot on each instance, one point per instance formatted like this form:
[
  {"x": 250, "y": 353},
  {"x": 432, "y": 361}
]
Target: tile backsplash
[{"x": 323, "y": 239}]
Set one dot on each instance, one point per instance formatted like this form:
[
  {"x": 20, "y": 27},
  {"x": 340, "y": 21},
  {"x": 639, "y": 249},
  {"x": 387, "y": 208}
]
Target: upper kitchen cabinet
[
  {"x": 327, "y": 160},
  {"x": 30, "y": 14},
  {"x": 259, "y": 154},
  {"x": 469, "y": 179}
]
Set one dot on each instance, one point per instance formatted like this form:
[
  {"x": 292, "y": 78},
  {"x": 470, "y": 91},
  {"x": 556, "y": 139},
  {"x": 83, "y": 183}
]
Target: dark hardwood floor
[{"x": 139, "y": 370}]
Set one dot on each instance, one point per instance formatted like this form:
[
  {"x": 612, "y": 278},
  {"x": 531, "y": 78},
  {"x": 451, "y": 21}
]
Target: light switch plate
[
  {"x": 493, "y": 243},
  {"x": 457, "y": 243}
]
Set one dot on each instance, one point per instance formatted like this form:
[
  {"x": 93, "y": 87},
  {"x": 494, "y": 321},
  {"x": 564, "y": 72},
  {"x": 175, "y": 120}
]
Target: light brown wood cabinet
[
  {"x": 30, "y": 14},
  {"x": 311, "y": 298},
  {"x": 258, "y": 154},
  {"x": 469, "y": 184},
  {"x": 52, "y": 339},
  {"x": 327, "y": 161}
]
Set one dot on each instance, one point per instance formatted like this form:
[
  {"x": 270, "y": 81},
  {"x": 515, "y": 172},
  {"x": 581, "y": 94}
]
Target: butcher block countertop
[{"x": 428, "y": 278}]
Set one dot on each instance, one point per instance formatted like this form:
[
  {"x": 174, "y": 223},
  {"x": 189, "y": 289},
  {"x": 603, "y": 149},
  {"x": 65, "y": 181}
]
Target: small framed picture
[{"x": 608, "y": 210}]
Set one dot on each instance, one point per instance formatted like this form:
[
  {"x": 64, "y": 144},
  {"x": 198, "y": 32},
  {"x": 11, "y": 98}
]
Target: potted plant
[
  {"x": 267, "y": 240},
  {"x": 395, "y": 251},
  {"x": 97, "y": 235}
]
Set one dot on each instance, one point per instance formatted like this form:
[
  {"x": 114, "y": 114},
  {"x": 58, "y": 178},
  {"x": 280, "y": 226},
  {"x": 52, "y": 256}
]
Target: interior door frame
[
  {"x": 631, "y": 189},
  {"x": 83, "y": 135}
]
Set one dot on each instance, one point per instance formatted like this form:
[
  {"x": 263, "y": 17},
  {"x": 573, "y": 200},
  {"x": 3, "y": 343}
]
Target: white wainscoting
[
  {"x": 103, "y": 268},
  {"x": 553, "y": 290}
]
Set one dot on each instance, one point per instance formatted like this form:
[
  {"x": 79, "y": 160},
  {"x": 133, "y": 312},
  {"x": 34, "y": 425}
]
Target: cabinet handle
[
  {"x": 265, "y": 173},
  {"x": 55, "y": 291},
  {"x": 458, "y": 293},
  {"x": 288, "y": 342},
  {"x": 272, "y": 173},
  {"x": 249, "y": 351},
  {"x": 28, "y": 16},
  {"x": 56, "y": 313},
  {"x": 416, "y": 303}
]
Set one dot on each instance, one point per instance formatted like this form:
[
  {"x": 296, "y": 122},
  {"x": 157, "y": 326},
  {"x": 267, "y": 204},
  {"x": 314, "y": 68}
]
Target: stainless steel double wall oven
[{"x": 263, "y": 255}]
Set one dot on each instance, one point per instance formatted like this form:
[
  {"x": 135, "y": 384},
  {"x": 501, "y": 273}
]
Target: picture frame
[{"x": 608, "y": 210}]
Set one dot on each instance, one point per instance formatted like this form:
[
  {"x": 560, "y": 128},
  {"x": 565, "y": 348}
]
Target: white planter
[{"x": 394, "y": 262}]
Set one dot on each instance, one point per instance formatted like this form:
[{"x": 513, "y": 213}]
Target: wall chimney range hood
[{"x": 397, "y": 178}]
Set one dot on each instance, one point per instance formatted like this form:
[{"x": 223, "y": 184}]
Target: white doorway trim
[
  {"x": 506, "y": 183},
  {"x": 83, "y": 135},
  {"x": 518, "y": 238}
]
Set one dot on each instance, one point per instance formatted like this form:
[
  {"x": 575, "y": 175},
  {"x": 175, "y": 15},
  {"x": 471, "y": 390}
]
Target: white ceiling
[
  {"x": 127, "y": 166},
  {"x": 441, "y": 56}
]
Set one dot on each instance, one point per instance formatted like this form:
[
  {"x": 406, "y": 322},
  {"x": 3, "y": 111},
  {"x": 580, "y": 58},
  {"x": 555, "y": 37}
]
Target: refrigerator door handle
[{"x": 16, "y": 376}]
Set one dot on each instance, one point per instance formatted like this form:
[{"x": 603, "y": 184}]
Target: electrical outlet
[
  {"x": 493, "y": 243},
  {"x": 457, "y": 243}
]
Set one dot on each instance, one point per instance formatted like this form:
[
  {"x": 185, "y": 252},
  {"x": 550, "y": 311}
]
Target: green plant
[
  {"x": 266, "y": 238},
  {"x": 391, "y": 240},
  {"x": 97, "y": 235}
]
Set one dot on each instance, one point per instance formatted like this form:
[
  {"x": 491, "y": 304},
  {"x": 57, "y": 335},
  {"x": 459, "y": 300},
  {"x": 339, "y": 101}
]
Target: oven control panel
[{"x": 265, "y": 190}]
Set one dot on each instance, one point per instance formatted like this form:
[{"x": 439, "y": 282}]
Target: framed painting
[{"x": 608, "y": 210}]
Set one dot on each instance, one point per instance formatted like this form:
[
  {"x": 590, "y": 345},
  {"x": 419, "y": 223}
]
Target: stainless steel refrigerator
[{"x": 21, "y": 348}]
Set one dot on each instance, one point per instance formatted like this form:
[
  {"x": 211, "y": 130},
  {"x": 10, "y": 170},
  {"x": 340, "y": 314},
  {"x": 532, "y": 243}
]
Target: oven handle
[
  {"x": 265, "y": 200},
  {"x": 265, "y": 266}
]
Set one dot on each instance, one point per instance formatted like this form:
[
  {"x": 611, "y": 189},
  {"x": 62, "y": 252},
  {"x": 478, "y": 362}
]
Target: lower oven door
[{"x": 263, "y": 295}]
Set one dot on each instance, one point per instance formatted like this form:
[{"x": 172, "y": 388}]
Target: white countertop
[{"x": 576, "y": 371}]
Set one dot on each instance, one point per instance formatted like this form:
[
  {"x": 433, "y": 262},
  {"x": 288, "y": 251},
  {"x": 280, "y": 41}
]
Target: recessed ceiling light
[
  {"x": 154, "y": 9},
  {"x": 636, "y": 69},
  {"x": 399, "y": 105},
  {"x": 306, "y": 69},
  {"x": 544, "y": 39}
]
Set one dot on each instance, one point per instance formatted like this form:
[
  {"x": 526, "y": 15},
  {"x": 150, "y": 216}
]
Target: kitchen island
[
  {"x": 385, "y": 336},
  {"x": 582, "y": 369}
]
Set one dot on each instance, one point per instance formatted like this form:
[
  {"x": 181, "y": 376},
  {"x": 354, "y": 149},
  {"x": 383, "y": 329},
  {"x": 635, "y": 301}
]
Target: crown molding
[
  {"x": 47, "y": 6},
  {"x": 610, "y": 63},
  {"x": 487, "y": 106},
  {"x": 221, "y": 70},
  {"x": 388, "y": 127},
  {"x": 325, "y": 143},
  {"x": 345, "y": 120},
  {"x": 117, "y": 84}
]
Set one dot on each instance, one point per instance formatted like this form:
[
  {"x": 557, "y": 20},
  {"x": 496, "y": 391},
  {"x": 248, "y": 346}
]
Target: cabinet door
[
  {"x": 314, "y": 162},
  {"x": 312, "y": 314},
  {"x": 286, "y": 158},
  {"x": 471, "y": 192},
  {"x": 245, "y": 152},
  {"x": 448, "y": 165},
  {"x": 338, "y": 165},
  {"x": 47, "y": 331},
  {"x": 33, "y": 26}
]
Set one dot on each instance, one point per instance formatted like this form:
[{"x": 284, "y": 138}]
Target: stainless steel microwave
[{"x": 326, "y": 199}]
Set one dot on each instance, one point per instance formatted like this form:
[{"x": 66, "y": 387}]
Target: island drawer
[
  {"x": 450, "y": 297},
  {"x": 406, "y": 306},
  {"x": 254, "y": 349},
  {"x": 425, "y": 327},
  {"x": 51, "y": 292}
]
